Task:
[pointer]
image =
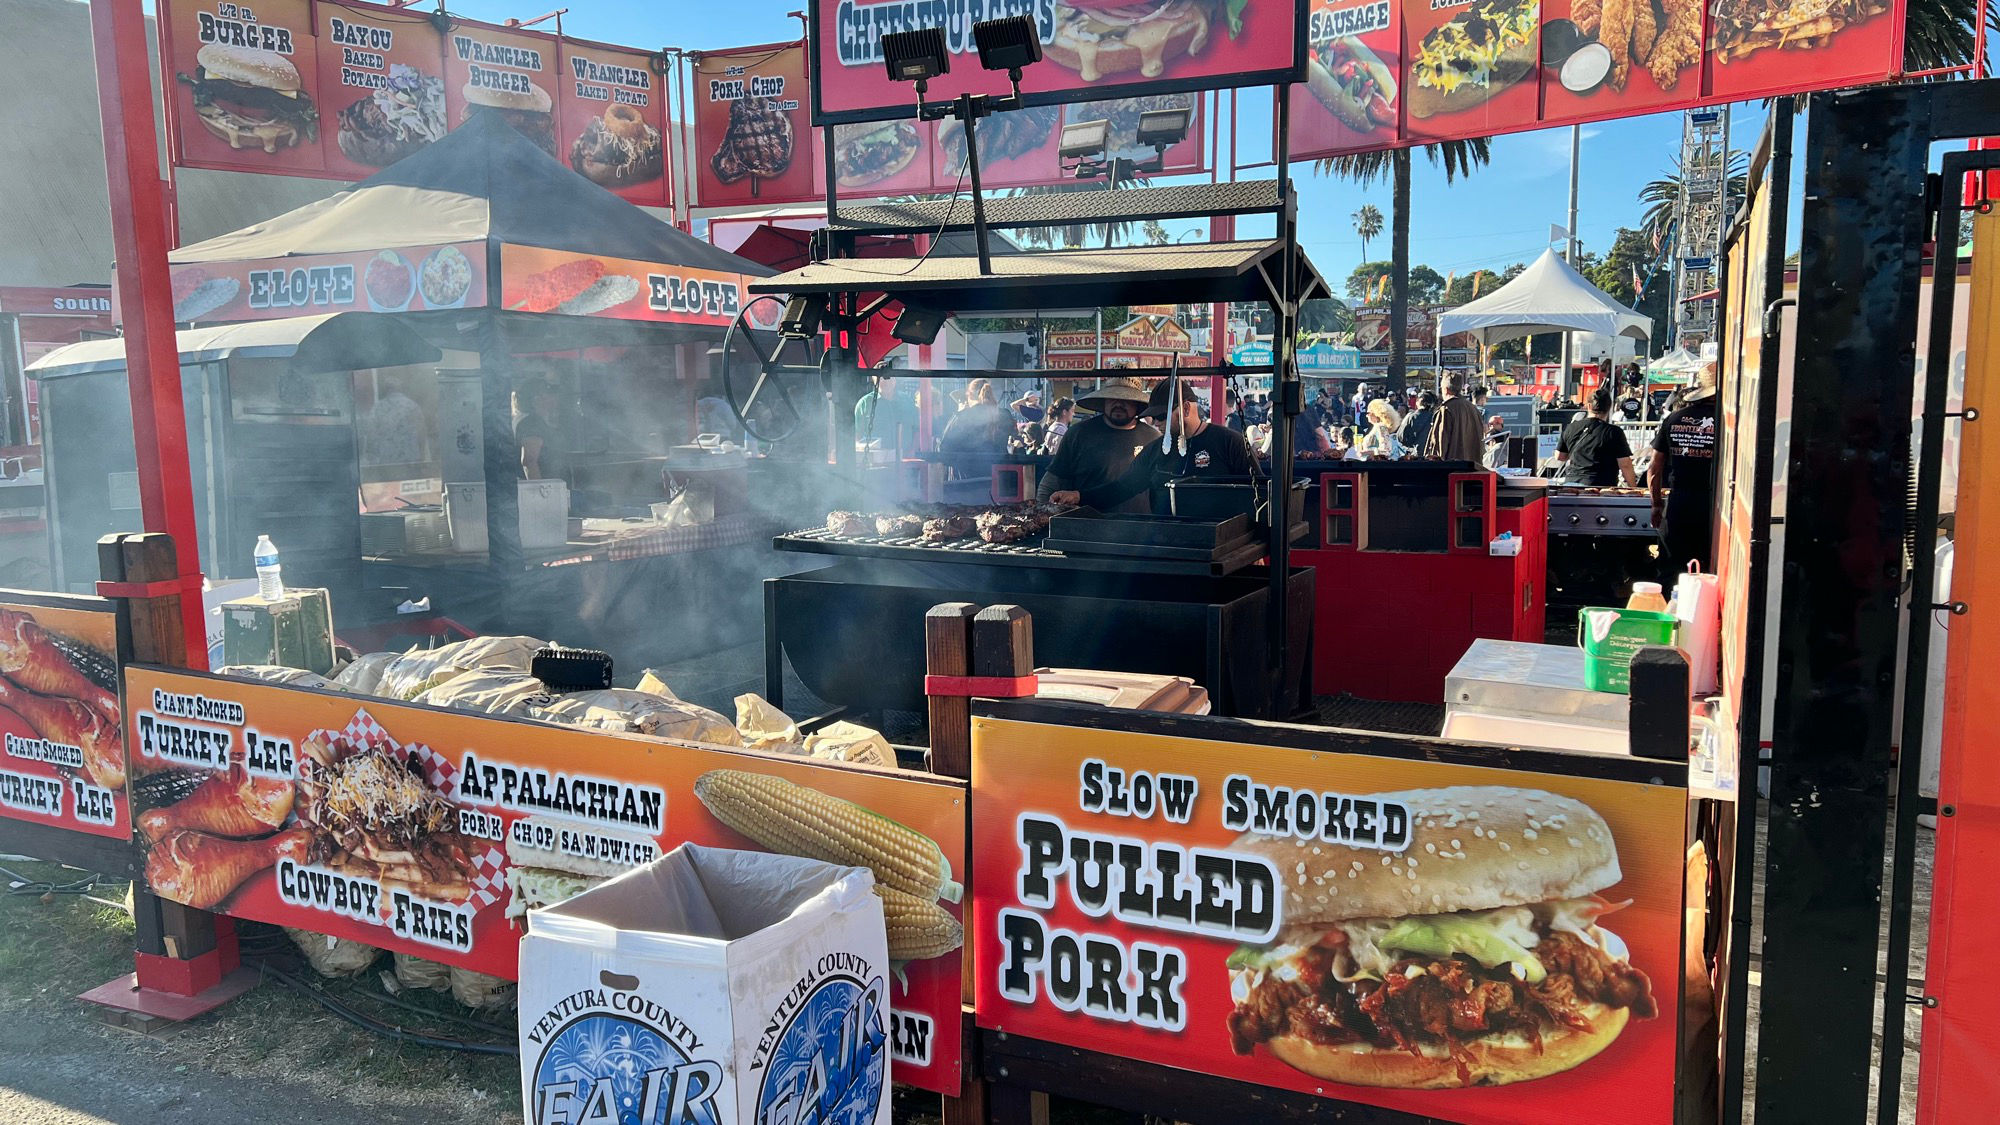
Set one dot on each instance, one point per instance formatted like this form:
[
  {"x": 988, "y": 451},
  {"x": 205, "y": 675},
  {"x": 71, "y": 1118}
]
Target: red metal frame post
[{"x": 141, "y": 239}]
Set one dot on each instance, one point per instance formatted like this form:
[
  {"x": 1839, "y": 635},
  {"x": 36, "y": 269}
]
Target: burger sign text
[{"x": 1441, "y": 939}]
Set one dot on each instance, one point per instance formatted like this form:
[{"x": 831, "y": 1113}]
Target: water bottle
[{"x": 270, "y": 580}]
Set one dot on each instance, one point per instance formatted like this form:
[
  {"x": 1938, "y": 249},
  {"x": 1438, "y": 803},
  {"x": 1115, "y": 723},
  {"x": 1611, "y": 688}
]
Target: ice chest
[{"x": 709, "y": 986}]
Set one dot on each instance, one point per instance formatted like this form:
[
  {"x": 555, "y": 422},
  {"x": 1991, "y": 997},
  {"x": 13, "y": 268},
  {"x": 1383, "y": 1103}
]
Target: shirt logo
[{"x": 1202, "y": 459}]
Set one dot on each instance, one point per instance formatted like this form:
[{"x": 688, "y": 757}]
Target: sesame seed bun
[
  {"x": 536, "y": 100},
  {"x": 1491, "y": 1060},
  {"x": 1471, "y": 848},
  {"x": 249, "y": 66}
]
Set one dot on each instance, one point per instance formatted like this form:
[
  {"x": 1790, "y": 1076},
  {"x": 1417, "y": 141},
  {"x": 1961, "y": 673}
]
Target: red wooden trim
[{"x": 986, "y": 687}]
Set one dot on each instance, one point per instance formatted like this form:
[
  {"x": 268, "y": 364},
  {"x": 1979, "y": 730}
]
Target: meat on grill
[
  {"x": 944, "y": 529},
  {"x": 893, "y": 526},
  {"x": 849, "y": 525},
  {"x": 758, "y": 142}
]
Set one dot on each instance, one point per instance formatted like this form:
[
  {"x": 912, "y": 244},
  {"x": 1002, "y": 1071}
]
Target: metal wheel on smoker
[{"x": 772, "y": 398}]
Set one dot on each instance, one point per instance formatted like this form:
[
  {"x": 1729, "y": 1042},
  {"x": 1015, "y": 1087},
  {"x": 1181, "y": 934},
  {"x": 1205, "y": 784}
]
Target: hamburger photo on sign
[
  {"x": 500, "y": 79},
  {"x": 1119, "y": 39},
  {"x": 251, "y": 98},
  {"x": 1473, "y": 957}
]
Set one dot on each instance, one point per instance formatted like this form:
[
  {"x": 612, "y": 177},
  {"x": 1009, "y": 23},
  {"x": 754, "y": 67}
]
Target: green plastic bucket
[{"x": 1610, "y": 637}]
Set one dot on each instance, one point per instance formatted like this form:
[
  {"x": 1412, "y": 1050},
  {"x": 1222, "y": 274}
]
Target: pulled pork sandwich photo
[{"x": 1473, "y": 957}]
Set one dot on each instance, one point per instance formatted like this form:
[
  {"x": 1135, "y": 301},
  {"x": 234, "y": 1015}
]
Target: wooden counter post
[
  {"x": 948, "y": 652},
  {"x": 1003, "y": 645},
  {"x": 181, "y": 951}
]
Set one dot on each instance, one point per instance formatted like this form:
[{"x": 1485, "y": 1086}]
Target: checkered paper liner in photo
[{"x": 489, "y": 875}]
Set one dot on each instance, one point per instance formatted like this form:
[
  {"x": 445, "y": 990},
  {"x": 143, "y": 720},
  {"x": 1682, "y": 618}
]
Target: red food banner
[
  {"x": 1091, "y": 49},
  {"x": 1620, "y": 59},
  {"x": 1470, "y": 67},
  {"x": 1300, "y": 919},
  {"x": 540, "y": 280},
  {"x": 240, "y": 85},
  {"x": 63, "y": 762},
  {"x": 1763, "y": 48},
  {"x": 430, "y": 832},
  {"x": 510, "y": 73},
  {"x": 879, "y": 158},
  {"x": 1433, "y": 70},
  {"x": 408, "y": 278},
  {"x": 381, "y": 87},
  {"x": 1351, "y": 98},
  {"x": 753, "y": 135},
  {"x": 613, "y": 120}
]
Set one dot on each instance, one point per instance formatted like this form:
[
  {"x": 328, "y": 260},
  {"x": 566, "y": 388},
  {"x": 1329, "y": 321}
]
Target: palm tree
[
  {"x": 1367, "y": 224},
  {"x": 1458, "y": 158},
  {"x": 1663, "y": 194},
  {"x": 1939, "y": 33}
]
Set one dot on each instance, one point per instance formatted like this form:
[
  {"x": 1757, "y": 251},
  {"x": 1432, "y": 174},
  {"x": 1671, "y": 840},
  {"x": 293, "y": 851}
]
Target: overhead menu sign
[
  {"x": 1386, "y": 72},
  {"x": 755, "y": 142},
  {"x": 341, "y": 89},
  {"x": 1091, "y": 49}
]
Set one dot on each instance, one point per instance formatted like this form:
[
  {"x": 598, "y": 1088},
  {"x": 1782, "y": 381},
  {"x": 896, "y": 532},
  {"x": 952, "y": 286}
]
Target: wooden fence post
[{"x": 181, "y": 952}]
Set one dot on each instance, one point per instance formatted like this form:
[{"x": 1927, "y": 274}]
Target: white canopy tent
[
  {"x": 1548, "y": 296},
  {"x": 1678, "y": 362}
]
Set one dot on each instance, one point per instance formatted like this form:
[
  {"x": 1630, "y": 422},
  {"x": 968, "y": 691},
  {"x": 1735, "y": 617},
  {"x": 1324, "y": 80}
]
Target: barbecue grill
[
  {"x": 1582, "y": 510},
  {"x": 853, "y": 630}
]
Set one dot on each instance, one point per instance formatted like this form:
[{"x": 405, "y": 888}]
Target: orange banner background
[
  {"x": 242, "y": 877},
  {"x": 46, "y": 775},
  {"x": 1021, "y": 768}
]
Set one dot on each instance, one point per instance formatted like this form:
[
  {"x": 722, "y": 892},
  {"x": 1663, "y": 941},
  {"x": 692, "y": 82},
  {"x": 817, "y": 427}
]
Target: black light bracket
[{"x": 1008, "y": 44}]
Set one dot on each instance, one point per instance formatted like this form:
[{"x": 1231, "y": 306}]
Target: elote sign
[
  {"x": 1455, "y": 942},
  {"x": 432, "y": 832}
]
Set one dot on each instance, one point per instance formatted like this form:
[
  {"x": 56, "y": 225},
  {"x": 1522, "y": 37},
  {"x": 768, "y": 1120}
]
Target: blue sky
[{"x": 1500, "y": 215}]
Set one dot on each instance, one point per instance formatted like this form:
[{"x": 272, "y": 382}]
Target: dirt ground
[{"x": 270, "y": 1057}]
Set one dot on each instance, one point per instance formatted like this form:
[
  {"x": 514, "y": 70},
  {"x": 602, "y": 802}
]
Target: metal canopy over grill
[
  {"x": 1182, "y": 201},
  {"x": 1192, "y": 274}
]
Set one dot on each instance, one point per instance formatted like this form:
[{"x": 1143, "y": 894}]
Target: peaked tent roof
[
  {"x": 1548, "y": 296},
  {"x": 482, "y": 181}
]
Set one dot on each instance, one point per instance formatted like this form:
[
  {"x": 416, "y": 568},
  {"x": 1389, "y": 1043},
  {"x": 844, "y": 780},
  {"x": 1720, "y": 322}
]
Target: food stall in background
[{"x": 548, "y": 297}]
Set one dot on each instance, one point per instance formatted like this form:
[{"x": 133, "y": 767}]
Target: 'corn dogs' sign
[
  {"x": 433, "y": 832},
  {"x": 62, "y": 749}
]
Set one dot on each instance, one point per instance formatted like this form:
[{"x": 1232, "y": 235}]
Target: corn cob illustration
[
  {"x": 793, "y": 820},
  {"x": 918, "y": 928}
]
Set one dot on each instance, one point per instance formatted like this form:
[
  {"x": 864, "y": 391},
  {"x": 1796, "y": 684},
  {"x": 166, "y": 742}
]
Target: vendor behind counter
[{"x": 1193, "y": 447}]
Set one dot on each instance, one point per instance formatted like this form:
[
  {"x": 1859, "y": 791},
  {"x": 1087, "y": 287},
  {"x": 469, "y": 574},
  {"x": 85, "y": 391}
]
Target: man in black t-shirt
[
  {"x": 1098, "y": 450},
  {"x": 1211, "y": 451},
  {"x": 1684, "y": 462},
  {"x": 1593, "y": 451}
]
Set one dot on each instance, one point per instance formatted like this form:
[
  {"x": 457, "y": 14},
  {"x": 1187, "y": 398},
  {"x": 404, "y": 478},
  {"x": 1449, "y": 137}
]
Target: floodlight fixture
[
  {"x": 1082, "y": 140},
  {"x": 801, "y": 317},
  {"x": 1008, "y": 44},
  {"x": 919, "y": 326},
  {"x": 1164, "y": 128},
  {"x": 917, "y": 55}
]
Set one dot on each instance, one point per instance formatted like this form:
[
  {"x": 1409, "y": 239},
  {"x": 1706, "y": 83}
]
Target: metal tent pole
[{"x": 141, "y": 239}]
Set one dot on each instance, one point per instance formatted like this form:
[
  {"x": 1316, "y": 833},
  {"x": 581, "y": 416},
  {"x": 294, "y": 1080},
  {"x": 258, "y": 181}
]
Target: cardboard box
[{"x": 736, "y": 987}]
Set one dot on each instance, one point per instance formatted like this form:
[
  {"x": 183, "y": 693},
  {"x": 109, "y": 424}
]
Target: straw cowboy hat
[
  {"x": 1703, "y": 385},
  {"x": 1123, "y": 387}
]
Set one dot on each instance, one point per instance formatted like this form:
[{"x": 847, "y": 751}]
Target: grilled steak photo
[{"x": 759, "y": 142}]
